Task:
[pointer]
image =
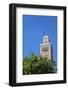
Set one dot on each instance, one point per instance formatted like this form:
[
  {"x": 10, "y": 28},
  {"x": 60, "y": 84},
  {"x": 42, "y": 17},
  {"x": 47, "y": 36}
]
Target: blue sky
[{"x": 35, "y": 27}]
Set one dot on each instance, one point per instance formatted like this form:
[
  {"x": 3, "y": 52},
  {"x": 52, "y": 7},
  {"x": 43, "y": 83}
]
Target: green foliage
[{"x": 38, "y": 65}]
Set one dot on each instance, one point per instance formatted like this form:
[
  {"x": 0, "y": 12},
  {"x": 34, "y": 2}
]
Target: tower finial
[{"x": 46, "y": 33}]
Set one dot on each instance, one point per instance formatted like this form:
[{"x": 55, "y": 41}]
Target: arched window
[{"x": 45, "y": 49}]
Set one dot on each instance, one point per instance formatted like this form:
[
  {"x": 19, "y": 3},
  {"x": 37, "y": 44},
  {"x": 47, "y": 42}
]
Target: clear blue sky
[{"x": 35, "y": 27}]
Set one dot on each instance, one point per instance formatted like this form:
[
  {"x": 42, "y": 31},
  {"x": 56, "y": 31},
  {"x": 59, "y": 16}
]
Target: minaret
[{"x": 45, "y": 48}]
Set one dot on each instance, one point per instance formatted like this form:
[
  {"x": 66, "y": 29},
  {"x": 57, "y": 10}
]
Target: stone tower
[{"x": 45, "y": 48}]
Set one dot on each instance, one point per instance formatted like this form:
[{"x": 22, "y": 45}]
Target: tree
[{"x": 38, "y": 65}]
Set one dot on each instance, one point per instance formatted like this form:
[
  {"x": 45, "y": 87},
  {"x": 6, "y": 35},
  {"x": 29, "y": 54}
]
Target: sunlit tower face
[{"x": 45, "y": 48}]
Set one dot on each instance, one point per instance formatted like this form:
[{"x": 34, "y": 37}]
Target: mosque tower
[{"x": 46, "y": 48}]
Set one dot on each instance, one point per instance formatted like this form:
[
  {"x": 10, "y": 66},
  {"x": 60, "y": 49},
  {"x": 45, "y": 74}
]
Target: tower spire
[{"x": 46, "y": 33}]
